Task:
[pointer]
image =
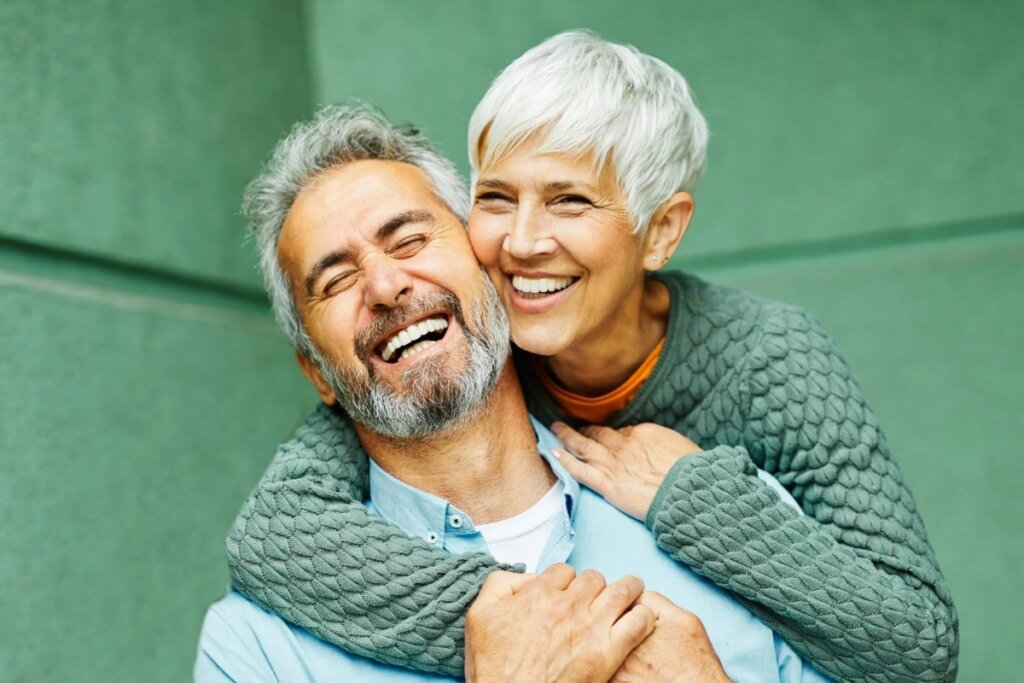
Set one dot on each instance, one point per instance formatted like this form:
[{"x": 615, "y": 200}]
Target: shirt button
[
  {"x": 433, "y": 537},
  {"x": 455, "y": 521}
]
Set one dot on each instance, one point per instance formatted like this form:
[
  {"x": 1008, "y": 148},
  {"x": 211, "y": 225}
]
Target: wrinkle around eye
[
  {"x": 496, "y": 208},
  {"x": 408, "y": 248},
  {"x": 572, "y": 199},
  {"x": 337, "y": 284},
  {"x": 493, "y": 198}
]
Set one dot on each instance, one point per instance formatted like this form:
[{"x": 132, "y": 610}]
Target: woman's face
[{"x": 555, "y": 235}]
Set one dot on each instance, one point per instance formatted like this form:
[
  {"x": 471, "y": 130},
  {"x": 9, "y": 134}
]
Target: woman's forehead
[{"x": 534, "y": 161}]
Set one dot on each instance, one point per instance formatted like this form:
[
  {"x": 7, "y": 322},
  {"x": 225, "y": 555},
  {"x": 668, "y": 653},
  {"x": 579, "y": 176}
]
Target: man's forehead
[
  {"x": 353, "y": 200},
  {"x": 362, "y": 190}
]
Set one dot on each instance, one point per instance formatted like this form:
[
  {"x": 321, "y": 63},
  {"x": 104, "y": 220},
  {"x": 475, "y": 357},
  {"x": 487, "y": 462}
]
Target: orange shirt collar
[{"x": 597, "y": 409}]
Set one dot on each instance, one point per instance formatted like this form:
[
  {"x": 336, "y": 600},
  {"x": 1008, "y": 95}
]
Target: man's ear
[
  {"x": 313, "y": 374},
  {"x": 666, "y": 230}
]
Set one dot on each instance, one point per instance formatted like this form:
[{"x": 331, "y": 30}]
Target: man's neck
[{"x": 487, "y": 465}]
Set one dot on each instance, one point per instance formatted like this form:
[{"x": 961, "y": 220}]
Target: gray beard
[{"x": 434, "y": 399}]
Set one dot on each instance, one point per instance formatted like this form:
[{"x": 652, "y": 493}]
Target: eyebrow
[
  {"x": 494, "y": 183},
  {"x": 386, "y": 230},
  {"x": 562, "y": 185},
  {"x": 552, "y": 186}
]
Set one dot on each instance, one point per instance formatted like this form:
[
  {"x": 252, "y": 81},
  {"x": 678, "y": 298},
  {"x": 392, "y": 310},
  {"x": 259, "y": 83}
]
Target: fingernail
[
  {"x": 557, "y": 452},
  {"x": 557, "y": 426}
]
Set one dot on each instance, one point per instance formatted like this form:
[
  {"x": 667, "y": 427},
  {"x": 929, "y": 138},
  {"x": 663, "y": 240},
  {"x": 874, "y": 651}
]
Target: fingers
[
  {"x": 617, "y": 598},
  {"x": 588, "y": 475},
  {"x": 632, "y": 623},
  {"x": 587, "y": 586},
  {"x": 557, "y": 576},
  {"x": 611, "y": 439},
  {"x": 658, "y": 603},
  {"x": 582, "y": 446},
  {"x": 665, "y": 611},
  {"x": 631, "y": 630}
]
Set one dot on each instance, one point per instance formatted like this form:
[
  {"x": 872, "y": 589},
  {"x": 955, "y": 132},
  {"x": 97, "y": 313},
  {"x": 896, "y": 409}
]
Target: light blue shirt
[{"x": 242, "y": 642}]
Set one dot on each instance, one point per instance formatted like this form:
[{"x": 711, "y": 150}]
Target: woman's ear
[
  {"x": 666, "y": 230},
  {"x": 316, "y": 378}
]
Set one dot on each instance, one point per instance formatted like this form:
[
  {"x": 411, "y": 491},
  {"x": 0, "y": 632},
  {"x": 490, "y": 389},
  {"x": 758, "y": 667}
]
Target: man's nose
[
  {"x": 530, "y": 234},
  {"x": 386, "y": 284}
]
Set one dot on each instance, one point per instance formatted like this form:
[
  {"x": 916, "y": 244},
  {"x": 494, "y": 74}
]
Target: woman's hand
[{"x": 626, "y": 465}]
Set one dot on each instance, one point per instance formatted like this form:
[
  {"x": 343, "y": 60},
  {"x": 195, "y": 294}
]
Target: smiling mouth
[
  {"x": 414, "y": 338},
  {"x": 540, "y": 287}
]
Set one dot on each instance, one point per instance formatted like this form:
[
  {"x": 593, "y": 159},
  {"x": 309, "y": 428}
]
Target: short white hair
[
  {"x": 334, "y": 137},
  {"x": 584, "y": 94}
]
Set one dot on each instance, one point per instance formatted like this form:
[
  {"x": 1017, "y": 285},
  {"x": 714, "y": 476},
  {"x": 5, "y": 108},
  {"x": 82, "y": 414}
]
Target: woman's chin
[{"x": 540, "y": 343}]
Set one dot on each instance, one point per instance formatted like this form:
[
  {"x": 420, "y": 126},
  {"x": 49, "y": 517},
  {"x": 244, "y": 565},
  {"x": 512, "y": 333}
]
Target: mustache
[{"x": 367, "y": 337}]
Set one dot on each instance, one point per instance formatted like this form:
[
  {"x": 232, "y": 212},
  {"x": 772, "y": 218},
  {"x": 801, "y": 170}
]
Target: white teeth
[
  {"x": 416, "y": 348},
  {"x": 410, "y": 334},
  {"x": 540, "y": 285}
]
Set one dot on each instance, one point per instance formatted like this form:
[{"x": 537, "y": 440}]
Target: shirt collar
[{"x": 431, "y": 518}]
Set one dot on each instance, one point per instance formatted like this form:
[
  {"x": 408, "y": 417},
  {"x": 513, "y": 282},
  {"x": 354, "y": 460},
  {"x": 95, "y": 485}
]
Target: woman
[{"x": 584, "y": 154}]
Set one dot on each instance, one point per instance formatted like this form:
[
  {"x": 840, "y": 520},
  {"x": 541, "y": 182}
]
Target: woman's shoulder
[{"x": 694, "y": 299}]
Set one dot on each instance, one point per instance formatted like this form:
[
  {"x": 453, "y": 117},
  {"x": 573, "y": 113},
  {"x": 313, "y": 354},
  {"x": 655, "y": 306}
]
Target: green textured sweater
[{"x": 853, "y": 586}]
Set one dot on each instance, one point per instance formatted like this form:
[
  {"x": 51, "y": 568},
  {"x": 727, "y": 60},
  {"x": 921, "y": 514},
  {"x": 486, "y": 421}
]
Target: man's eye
[
  {"x": 339, "y": 283},
  {"x": 408, "y": 246}
]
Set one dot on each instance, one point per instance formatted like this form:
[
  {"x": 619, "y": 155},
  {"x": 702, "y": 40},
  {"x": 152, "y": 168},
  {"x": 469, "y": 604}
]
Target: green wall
[
  {"x": 142, "y": 384},
  {"x": 864, "y": 164}
]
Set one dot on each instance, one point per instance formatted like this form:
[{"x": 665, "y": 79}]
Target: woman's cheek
[{"x": 485, "y": 239}]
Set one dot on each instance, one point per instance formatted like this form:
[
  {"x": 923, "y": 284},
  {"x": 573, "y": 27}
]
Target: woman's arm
[
  {"x": 305, "y": 547},
  {"x": 853, "y": 586}
]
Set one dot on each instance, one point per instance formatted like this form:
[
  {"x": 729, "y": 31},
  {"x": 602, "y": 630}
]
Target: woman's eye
[
  {"x": 492, "y": 197},
  {"x": 572, "y": 199}
]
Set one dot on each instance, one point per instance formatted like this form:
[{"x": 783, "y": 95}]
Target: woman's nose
[{"x": 529, "y": 237}]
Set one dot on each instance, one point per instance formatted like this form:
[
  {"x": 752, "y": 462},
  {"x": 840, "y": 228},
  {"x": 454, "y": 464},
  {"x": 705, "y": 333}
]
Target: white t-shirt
[{"x": 522, "y": 538}]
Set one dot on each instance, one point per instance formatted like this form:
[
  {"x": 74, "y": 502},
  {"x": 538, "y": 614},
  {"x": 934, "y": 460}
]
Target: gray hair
[
  {"x": 585, "y": 94},
  {"x": 335, "y": 136}
]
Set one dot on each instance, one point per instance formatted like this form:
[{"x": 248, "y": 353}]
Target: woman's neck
[{"x": 593, "y": 367}]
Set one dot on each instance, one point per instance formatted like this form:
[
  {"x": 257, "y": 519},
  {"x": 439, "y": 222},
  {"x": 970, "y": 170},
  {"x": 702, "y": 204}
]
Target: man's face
[{"x": 408, "y": 333}]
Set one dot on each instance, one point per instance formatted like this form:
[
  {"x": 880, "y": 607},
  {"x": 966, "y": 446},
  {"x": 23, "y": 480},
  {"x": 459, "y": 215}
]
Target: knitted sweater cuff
[
  {"x": 717, "y": 461},
  {"x": 664, "y": 491}
]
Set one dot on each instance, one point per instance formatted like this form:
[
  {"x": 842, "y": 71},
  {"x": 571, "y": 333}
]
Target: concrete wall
[
  {"x": 142, "y": 384},
  {"x": 864, "y": 163}
]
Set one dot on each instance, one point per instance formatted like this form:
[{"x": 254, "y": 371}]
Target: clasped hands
[{"x": 557, "y": 626}]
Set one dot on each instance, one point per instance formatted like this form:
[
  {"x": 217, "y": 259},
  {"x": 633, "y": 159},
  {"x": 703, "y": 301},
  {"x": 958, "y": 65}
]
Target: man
[{"x": 395, "y": 323}]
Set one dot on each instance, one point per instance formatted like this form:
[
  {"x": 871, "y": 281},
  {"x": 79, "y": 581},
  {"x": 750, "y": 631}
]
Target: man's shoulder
[
  {"x": 231, "y": 641},
  {"x": 241, "y": 641},
  {"x": 234, "y": 610}
]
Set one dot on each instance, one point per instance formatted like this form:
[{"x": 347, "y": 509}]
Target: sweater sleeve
[
  {"x": 304, "y": 546},
  {"x": 854, "y": 585}
]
